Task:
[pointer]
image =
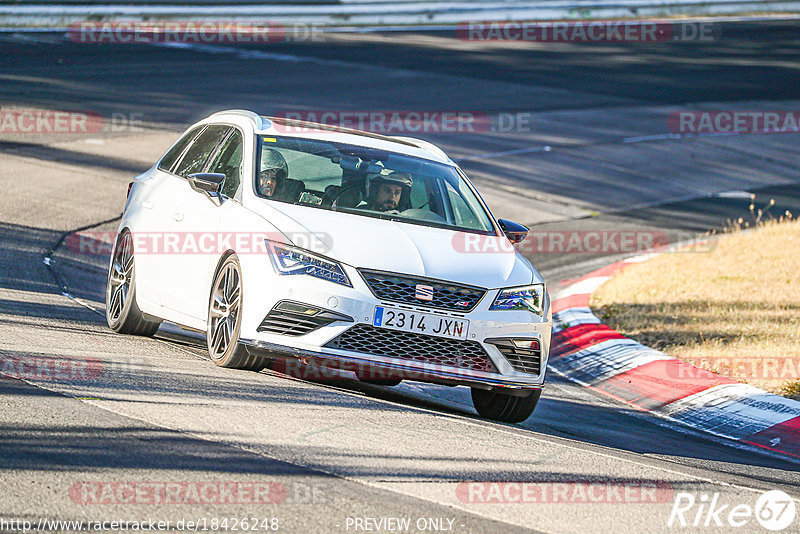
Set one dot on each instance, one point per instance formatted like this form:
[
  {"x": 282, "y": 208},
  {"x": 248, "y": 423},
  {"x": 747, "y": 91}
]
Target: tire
[
  {"x": 492, "y": 404},
  {"x": 122, "y": 314},
  {"x": 224, "y": 320}
]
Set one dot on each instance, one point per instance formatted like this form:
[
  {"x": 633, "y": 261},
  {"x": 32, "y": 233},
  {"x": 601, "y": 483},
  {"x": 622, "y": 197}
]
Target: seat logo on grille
[{"x": 424, "y": 293}]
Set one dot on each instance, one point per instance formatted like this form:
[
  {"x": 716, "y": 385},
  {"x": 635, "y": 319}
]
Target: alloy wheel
[
  {"x": 224, "y": 310},
  {"x": 120, "y": 276}
]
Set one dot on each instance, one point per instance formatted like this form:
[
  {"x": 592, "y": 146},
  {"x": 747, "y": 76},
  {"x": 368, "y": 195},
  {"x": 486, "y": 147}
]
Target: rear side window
[
  {"x": 228, "y": 161},
  {"x": 201, "y": 148},
  {"x": 172, "y": 155}
]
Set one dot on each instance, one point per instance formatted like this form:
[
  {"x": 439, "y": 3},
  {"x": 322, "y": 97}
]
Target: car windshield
[{"x": 368, "y": 182}]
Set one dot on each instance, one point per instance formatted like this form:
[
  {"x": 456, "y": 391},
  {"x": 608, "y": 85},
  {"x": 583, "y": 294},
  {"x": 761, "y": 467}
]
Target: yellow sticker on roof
[{"x": 270, "y": 140}]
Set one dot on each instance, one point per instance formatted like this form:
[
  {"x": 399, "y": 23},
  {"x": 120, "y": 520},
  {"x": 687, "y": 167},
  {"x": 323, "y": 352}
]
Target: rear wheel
[
  {"x": 493, "y": 404},
  {"x": 122, "y": 313},
  {"x": 224, "y": 320}
]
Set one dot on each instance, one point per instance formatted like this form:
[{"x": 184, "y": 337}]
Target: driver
[
  {"x": 386, "y": 191},
  {"x": 274, "y": 171}
]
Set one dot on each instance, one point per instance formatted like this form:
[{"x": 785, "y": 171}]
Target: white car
[{"x": 293, "y": 242}]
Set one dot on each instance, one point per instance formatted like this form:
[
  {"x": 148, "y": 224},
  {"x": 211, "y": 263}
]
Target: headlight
[
  {"x": 521, "y": 298},
  {"x": 292, "y": 260}
]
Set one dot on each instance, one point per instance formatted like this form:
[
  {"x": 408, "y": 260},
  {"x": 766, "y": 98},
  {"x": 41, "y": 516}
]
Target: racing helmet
[
  {"x": 387, "y": 176},
  {"x": 390, "y": 177},
  {"x": 272, "y": 159},
  {"x": 272, "y": 165}
]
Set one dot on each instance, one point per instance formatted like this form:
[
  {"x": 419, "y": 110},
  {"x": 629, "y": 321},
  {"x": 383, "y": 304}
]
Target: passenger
[{"x": 273, "y": 172}]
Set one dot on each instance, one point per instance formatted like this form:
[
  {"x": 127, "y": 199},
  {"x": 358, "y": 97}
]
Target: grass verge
[{"x": 734, "y": 310}]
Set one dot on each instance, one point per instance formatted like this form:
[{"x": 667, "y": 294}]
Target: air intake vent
[
  {"x": 290, "y": 318},
  {"x": 524, "y": 355},
  {"x": 417, "y": 347}
]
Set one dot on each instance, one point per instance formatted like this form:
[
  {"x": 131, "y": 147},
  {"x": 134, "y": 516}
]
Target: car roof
[{"x": 279, "y": 126}]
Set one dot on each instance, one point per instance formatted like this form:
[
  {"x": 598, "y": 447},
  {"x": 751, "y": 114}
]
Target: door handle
[
  {"x": 177, "y": 216},
  {"x": 147, "y": 204}
]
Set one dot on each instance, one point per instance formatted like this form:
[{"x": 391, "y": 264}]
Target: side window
[
  {"x": 196, "y": 156},
  {"x": 174, "y": 153},
  {"x": 228, "y": 161}
]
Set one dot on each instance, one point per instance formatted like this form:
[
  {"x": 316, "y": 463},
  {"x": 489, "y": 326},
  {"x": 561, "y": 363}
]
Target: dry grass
[
  {"x": 734, "y": 310},
  {"x": 791, "y": 390}
]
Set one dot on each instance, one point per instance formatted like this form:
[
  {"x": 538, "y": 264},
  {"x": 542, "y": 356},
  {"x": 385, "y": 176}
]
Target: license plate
[{"x": 420, "y": 323}]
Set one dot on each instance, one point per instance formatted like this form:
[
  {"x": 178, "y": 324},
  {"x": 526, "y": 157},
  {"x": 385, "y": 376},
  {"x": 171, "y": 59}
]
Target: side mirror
[
  {"x": 209, "y": 183},
  {"x": 515, "y": 232}
]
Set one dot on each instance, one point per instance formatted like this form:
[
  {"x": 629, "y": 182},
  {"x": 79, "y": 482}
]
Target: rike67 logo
[{"x": 774, "y": 510}]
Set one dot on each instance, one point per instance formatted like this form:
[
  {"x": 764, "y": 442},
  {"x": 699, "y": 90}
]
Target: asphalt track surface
[{"x": 160, "y": 411}]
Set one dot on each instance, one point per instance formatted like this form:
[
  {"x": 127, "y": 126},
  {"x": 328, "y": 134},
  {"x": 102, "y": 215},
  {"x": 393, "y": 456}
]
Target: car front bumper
[
  {"x": 359, "y": 304},
  {"x": 380, "y": 367}
]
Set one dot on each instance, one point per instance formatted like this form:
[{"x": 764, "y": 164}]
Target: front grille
[
  {"x": 446, "y": 295},
  {"x": 524, "y": 356},
  {"x": 417, "y": 347},
  {"x": 296, "y": 319}
]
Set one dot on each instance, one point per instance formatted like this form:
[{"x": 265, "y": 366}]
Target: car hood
[{"x": 384, "y": 245}]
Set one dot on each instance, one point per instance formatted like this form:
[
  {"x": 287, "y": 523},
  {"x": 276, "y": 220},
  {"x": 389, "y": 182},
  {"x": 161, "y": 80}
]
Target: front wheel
[
  {"x": 493, "y": 404},
  {"x": 122, "y": 313},
  {"x": 224, "y": 320}
]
